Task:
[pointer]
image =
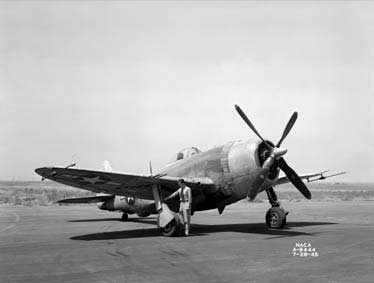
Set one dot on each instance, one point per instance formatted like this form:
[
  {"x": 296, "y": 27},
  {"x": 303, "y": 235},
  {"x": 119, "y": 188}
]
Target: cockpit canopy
[{"x": 185, "y": 153}]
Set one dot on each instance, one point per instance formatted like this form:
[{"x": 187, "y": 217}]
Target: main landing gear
[
  {"x": 174, "y": 228},
  {"x": 276, "y": 215},
  {"x": 168, "y": 221}
]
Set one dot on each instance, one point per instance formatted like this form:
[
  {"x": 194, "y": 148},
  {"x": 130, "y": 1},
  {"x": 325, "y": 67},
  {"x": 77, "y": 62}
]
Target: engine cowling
[{"x": 245, "y": 160}]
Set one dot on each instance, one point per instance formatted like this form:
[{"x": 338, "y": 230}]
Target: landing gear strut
[
  {"x": 276, "y": 215},
  {"x": 125, "y": 217}
]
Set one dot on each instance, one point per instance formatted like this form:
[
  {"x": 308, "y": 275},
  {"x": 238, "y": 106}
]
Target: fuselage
[{"x": 232, "y": 167}]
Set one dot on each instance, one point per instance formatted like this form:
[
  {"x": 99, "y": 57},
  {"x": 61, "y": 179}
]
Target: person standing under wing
[{"x": 185, "y": 197}]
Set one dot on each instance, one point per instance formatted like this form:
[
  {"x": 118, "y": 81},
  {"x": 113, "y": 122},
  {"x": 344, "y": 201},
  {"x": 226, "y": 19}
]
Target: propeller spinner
[{"x": 275, "y": 156}]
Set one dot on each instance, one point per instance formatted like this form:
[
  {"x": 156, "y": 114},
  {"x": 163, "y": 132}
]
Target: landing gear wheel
[
  {"x": 275, "y": 218},
  {"x": 173, "y": 228},
  {"x": 125, "y": 217}
]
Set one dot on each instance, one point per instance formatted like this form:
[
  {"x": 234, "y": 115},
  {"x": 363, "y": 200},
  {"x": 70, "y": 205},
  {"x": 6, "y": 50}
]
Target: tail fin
[{"x": 107, "y": 166}]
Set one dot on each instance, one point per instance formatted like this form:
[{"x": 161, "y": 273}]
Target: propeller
[
  {"x": 294, "y": 178},
  {"x": 275, "y": 157},
  {"x": 288, "y": 128},
  {"x": 248, "y": 122}
]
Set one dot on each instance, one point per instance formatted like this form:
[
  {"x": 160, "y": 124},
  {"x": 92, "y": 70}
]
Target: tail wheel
[
  {"x": 275, "y": 218},
  {"x": 125, "y": 217},
  {"x": 173, "y": 228}
]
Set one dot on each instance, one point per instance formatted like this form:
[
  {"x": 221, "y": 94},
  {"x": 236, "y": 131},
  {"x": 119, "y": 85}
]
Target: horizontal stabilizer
[{"x": 86, "y": 199}]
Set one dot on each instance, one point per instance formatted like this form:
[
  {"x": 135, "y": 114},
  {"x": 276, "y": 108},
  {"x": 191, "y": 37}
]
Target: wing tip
[{"x": 43, "y": 171}]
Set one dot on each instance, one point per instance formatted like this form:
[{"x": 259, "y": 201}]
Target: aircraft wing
[
  {"x": 93, "y": 199},
  {"x": 121, "y": 184},
  {"x": 309, "y": 177}
]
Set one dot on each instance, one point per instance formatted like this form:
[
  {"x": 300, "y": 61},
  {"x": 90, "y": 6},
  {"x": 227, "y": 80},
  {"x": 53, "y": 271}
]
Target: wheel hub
[{"x": 274, "y": 218}]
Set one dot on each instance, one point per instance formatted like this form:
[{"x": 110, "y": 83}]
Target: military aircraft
[{"x": 217, "y": 177}]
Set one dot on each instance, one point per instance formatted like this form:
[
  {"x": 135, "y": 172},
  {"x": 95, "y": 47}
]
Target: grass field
[
  {"x": 37, "y": 193},
  {"x": 47, "y": 193}
]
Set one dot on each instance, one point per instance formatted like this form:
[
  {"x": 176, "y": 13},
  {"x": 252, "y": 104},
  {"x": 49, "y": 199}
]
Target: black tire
[
  {"x": 275, "y": 218},
  {"x": 125, "y": 217},
  {"x": 172, "y": 229}
]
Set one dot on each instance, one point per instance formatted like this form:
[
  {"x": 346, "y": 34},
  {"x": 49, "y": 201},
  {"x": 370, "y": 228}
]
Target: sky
[{"x": 129, "y": 82}]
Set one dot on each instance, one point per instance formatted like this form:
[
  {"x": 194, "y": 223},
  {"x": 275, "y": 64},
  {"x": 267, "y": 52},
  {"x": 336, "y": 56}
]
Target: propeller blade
[
  {"x": 288, "y": 128},
  {"x": 294, "y": 178},
  {"x": 248, "y": 122},
  {"x": 258, "y": 182}
]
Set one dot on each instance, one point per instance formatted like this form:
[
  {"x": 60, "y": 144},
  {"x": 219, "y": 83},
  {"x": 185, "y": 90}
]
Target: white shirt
[{"x": 185, "y": 195}]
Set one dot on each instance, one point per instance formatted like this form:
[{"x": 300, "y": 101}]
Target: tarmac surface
[{"x": 83, "y": 244}]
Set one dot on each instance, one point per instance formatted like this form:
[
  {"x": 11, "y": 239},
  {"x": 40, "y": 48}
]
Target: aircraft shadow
[
  {"x": 204, "y": 229},
  {"x": 139, "y": 219},
  {"x": 96, "y": 220}
]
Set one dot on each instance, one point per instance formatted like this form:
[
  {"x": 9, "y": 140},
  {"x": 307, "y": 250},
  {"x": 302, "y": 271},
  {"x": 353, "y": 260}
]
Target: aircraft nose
[{"x": 278, "y": 152}]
